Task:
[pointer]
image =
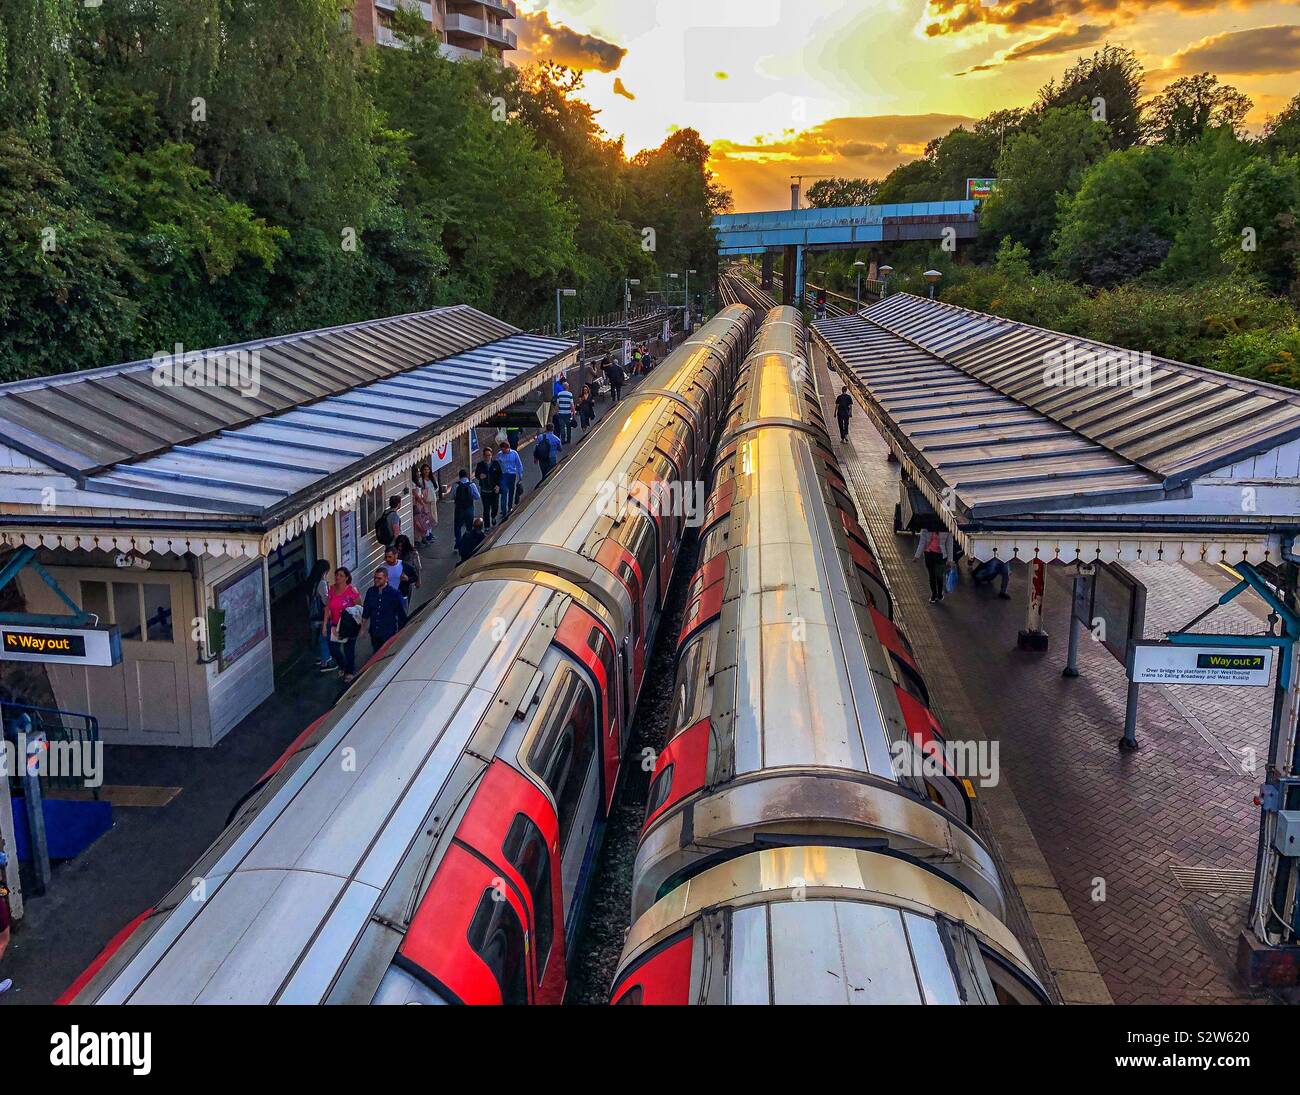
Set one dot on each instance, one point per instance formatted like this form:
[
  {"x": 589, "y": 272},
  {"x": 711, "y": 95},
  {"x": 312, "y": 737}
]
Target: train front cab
[
  {"x": 822, "y": 926},
  {"x": 499, "y": 915}
]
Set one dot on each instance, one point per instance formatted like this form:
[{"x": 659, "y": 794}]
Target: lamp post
[
  {"x": 884, "y": 272},
  {"x": 627, "y": 297},
  {"x": 559, "y": 314},
  {"x": 859, "y": 266},
  {"x": 933, "y": 277},
  {"x": 688, "y": 297}
]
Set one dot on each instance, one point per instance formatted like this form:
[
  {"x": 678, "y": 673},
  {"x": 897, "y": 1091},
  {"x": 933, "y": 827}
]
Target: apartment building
[{"x": 464, "y": 29}]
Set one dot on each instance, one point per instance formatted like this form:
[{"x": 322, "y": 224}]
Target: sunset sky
[{"x": 781, "y": 87}]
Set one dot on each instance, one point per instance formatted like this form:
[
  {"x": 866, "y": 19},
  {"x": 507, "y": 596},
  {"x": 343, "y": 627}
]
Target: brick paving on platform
[{"x": 1090, "y": 836}]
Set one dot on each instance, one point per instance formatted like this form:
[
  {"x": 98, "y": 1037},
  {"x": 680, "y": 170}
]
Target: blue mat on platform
[{"x": 70, "y": 827}]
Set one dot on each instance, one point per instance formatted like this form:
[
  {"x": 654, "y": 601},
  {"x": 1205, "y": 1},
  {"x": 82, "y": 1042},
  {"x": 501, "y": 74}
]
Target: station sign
[
  {"x": 979, "y": 190},
  {"x": 1167, "y": 663},
  {"x": 61, "y": 645}
]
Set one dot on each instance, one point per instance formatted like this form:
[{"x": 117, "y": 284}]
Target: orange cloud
[
  {"x": 951, "y": 16},
  {"x": 1259, "y": 51},
  {"x": 543, "y": 40}
]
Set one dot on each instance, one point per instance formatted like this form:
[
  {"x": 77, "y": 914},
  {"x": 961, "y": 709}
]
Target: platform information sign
[
  {"x": 61, "y": 646},
  {"x": 1167, "y": 663}
]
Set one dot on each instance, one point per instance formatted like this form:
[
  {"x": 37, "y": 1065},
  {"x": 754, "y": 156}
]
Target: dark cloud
[
  {"x": 1259, "y": 51},
  {"x": 950, "y": 16},
  {"x": 1062, "y": 41},
  {"x": 547, "y": 41}
]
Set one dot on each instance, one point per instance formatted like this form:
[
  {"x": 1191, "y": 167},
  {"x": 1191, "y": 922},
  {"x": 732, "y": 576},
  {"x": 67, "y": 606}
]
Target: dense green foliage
[
  {"x": 209, "y": 171},
  {"x": 1157, "y": 225}
]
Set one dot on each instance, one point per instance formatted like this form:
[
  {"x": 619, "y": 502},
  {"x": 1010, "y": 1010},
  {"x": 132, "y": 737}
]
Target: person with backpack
[
  {"x": 384, "y": 608},
  {"x": 488, "y": 474},
  {"x": 564, "y": 404},
  {"x": 389, "y": 526},
  {"x": 587, "y": 408},
  {"x": 843, "y": 412},
  {"x": 546, "y": 451},
  {"x": 318, "y": 593},
  {"x": 464, "y": 494},
  {"x": 512, "y": 474},
  {"x": 936, "y": 546},
  {"x": 341, "y": 625}
]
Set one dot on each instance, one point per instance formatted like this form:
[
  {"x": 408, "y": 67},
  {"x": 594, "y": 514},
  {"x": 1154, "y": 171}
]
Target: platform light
[
  {"x": 859, "y": 266},
  {"x": 559, "y": 314},
  {"x": 933, "y": 277},
  {"x": 884, "y": 272}
]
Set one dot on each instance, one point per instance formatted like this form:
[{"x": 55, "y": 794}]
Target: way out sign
[
  {"x": 1165, "y": 663},
  {"x": 61, "y": 645}
]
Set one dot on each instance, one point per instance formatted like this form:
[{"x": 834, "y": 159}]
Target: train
[
  {"x": 807, "y": 839},
  {"x": 431, "y": 839}
]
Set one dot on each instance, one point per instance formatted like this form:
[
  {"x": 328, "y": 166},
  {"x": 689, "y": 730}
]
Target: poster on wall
[
  {"x": 441, "y": 455},
  {"x": 348, "y": 539},
  {"x": 243, "y": 600}
]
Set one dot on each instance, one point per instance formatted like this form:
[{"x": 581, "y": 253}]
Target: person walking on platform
[
  {"x": 341, "y": 626},
  {"x": 990, "y": 570},
  {"x": 564, "y": 403},
  {"x": 488, "y": 474},
  {"x": 464, "y": 495},
  {"x": 409, "y": 580},
  {"x": 936, "y": 547},
  {"x": 587, "y": 408},
  {"x": 472, "y": 540},
  {"x": 424, "y": 513},
  {"x": 843, "y": 412},
  {"x": 512, "y": 474},
  {"x": 384, "y": 609},
  {"x": 617, "y": 378},
  {"x": 546, "y": 451},
  {"x": 318, "y": 595}
]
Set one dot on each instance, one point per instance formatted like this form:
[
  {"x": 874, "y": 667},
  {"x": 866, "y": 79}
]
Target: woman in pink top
[{"x": 342, "y": 597}]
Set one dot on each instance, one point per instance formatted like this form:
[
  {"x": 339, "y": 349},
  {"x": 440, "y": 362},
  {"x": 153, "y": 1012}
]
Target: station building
[{"x": 156, "y": 491}]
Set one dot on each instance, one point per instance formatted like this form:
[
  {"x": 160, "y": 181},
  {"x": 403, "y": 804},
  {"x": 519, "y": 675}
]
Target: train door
[
  {"x": 485, "y": 930},
  {"x": 591, "y": 643},
  {"x": 562, "y": 750}
]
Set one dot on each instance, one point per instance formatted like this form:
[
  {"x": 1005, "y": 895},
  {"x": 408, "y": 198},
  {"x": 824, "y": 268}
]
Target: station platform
[{"x": 1132, "y": 870}]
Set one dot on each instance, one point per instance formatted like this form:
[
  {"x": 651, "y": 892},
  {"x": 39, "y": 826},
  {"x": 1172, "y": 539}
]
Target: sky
[{"x": 856, "y": 87}]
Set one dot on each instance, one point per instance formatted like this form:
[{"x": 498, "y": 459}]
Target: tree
[
  {"x": 837, "y": 192},
  {"x": 1191, "y": 106},
  {"x": 1047, "y": 159},
  {"x": 1282, "y": 132},
  {"x": 1109, "y": 85},
  {"x": 1124, "y": 216},
  {"x": 1257, "y": 231}
]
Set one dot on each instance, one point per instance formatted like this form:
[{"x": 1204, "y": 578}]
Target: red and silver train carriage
[
  {"x": 430, "y": 839},
  {"x": 797, "y": 846}
]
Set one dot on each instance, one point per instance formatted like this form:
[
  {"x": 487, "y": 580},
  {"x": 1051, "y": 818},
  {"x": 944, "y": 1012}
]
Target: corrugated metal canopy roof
[
  {"x": 1186, "y": 421},
  {"x": 83, "y": 423},
  {"x": 970, "y": 395},
  {"x": 255, "y": 468}
]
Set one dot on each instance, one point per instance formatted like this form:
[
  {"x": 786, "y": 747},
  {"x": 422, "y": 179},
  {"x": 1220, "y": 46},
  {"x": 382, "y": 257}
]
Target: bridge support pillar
[
  {"x": 788, "y": 275},
  {"x": 769, "y": 263}
]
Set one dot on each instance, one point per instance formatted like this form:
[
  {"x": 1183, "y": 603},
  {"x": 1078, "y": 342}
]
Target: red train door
[{"x": 490, "y": 928}]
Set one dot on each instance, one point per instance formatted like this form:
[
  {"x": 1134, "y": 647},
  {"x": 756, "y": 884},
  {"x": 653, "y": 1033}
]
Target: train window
[
  {"x": 660, "y": 789},
  {"x": 525, "y": 850},
  {"x": 694, "y": 693},
  {"x": 563, "y": 752},
  {"x": 497, "y": 937},
  {"x": 714, "y": 541},
  {"x": 909, "y": 680},
  {"x": 600, "y": 646},
  {"x": 633, "y": 996}
]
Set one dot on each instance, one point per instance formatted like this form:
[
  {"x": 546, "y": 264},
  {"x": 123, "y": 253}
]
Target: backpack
[
  {"x": 542, "y": 451},
  {"x": 384, "y": 529},
  {"x": 464, "y": 497}
]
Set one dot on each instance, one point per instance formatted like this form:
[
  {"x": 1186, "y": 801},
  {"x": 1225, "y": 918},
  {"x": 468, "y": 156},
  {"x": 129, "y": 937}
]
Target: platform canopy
[
  {"x": 1032, "y": 442},
  {"x": 112, "y": 459}
]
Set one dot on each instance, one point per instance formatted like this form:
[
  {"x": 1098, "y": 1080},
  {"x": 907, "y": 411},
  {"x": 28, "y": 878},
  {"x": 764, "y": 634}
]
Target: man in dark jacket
[
  {"x": 617, "y": 378},
  {"x": 384, "y": 609},
  {"x": 465, "y": 493},
  {"x": 843, "y": 412},
  {"x": 488, "y": 474}
]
